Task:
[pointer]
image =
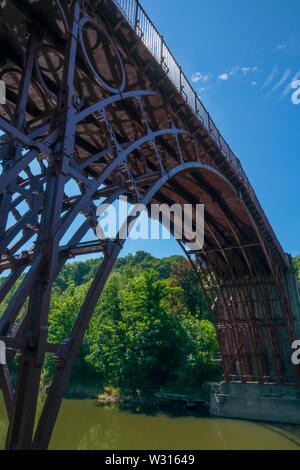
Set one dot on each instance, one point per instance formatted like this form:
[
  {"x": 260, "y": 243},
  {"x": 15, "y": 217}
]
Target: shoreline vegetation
[{"x": 192, "y": 401}]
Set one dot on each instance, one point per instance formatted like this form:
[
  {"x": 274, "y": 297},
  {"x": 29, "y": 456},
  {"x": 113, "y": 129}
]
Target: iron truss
[{"x": 90, "y": 116}]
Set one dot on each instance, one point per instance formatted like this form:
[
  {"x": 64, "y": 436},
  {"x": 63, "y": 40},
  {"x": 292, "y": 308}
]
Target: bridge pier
[{"x": 255, "y": 402}]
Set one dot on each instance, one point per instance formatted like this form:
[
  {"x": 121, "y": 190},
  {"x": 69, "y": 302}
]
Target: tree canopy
[{"x": 150, "y": 327}]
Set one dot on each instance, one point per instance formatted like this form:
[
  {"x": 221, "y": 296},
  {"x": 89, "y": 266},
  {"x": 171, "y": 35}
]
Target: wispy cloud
[
  {"x": 251, "y": 74},
  {"x": 232, "y": 71},
  {"x": 246, "y": 70},
  {"x": 281, "y": 47},
  {"x": 280, "y": 83},
  {"x": 197, "y": 77},
  {"x": 271, "y": 76},
  {"x": 235, "y": 69},
  {"x": 206, "y": 77}
]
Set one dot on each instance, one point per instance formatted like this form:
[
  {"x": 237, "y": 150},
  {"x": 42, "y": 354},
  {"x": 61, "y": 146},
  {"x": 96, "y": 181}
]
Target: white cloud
[
  {"x": 281, "y": 47},
  {"x": 200, "y": 77},
  {"x": 224, "y": 76},
  {"x": 245, "y": 70},
  {"x": 254, "y": 83},
  {"x": 234, "y": 70},
  {"x": 197, "y": 77}
]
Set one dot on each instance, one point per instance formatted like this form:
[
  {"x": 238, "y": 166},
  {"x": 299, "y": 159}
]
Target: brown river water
[{"x": 83, "y": 424}]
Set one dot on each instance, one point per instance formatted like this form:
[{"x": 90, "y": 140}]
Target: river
[{"x": 83, "y": 424}]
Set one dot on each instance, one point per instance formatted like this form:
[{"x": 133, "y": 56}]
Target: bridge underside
[{"x": 90, "y": 116}]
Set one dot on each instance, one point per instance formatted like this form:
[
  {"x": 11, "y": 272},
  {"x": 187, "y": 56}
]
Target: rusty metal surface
[
  {"x": 153, "y": 40},
  {"x": 94, "y": 111}
]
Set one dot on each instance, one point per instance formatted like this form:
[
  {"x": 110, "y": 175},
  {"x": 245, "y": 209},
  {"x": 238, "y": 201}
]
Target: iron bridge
[{"x": 96, "y": 101}]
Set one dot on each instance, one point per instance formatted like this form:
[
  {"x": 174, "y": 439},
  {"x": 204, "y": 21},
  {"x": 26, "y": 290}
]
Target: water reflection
[{"x": 83, "y": 425}]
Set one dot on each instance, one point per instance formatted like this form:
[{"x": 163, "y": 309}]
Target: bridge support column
[{"x": 269, "y": 403}]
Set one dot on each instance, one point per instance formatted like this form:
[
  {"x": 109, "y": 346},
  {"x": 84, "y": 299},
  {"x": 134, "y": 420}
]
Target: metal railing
[
  {"x": 153, "y": 40},
  {"x": 141, "y": 23}
]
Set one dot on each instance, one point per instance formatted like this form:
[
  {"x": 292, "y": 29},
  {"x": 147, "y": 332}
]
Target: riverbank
[
  {"x": 155, "y": 399},
  {"x": 168, "y": 398}
]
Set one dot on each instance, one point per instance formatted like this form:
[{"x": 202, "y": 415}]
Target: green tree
[
  {"x": 192, "y": 299},
  {"x": 147, "y": 330},
  {"x": 143, "y": 344},
  {"x": 201, "y": 363},
  {"x": 297, "y": 265},
  {"x": 155, "y": 339},
  {"x": 61, "y": 320}
]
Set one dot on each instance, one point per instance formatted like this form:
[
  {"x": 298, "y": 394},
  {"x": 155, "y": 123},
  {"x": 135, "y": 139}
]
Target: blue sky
[{"x": 241, "y": 58}]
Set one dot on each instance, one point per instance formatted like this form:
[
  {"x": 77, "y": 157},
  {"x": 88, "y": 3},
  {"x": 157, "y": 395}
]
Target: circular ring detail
[
  {"x": 40, "y": 75},
  {"x": 88, "y": 61}
]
